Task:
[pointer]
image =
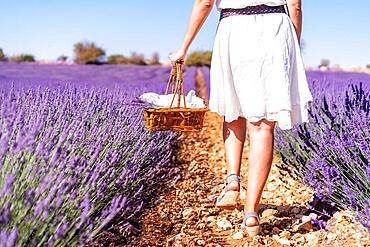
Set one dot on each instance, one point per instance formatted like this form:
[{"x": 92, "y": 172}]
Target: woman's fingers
[{"x": 178, "y": 56}]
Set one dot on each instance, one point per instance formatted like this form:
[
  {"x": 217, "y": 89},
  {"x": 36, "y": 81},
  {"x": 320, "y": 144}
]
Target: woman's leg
[
  {"x": 261, "y": 141},
  {"x": 234, "y": 137}
]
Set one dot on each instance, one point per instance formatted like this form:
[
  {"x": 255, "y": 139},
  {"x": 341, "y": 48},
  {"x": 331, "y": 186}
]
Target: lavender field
[
  {"x": 75, "y": 153},
  {"x": 76, "y": 157}
]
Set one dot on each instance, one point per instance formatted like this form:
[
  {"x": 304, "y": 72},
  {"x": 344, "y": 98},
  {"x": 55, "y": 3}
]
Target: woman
[{"x": 257, "y": 74}]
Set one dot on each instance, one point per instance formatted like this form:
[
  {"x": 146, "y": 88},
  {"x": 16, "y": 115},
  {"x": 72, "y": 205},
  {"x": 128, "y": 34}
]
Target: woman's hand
[
  {"x": 179, "y": 55},
  {"x": 199, "y": 13}
]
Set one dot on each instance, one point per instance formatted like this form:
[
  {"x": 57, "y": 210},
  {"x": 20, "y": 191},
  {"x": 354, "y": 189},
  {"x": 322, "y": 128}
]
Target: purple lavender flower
[
  {"x": 69, "y": 141},
  {"x": 7, "y": 187},
  {"x": 331, "y": 153}
]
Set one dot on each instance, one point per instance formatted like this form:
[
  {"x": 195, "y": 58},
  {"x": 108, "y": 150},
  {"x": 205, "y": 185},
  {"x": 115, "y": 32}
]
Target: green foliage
[
  {"x": 199, "y": 58},
  {"x": 88, "y": 53},
  {"x": 135, "y": 58},
  {"x": 118, "y": 59},
  {"x": 22, "y": 58},
  {"x": 2, "y": 55}
]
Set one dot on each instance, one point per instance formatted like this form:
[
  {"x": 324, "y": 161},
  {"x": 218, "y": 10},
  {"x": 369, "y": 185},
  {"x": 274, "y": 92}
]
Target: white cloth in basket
[{"x": 157, "y": 100}]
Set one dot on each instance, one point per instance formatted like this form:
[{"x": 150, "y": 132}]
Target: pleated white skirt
[{"x": 257, "y": 71}]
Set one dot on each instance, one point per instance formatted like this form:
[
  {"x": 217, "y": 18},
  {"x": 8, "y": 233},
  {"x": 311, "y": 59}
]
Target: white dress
[{"x": 257, "y": 69}]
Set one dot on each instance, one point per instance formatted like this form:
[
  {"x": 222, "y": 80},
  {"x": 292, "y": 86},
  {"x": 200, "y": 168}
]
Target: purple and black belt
[{"x": 252, "y": 10}]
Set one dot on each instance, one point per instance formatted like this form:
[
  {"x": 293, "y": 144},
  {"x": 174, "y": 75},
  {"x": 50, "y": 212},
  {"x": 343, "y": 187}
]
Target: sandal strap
[
  {"x": 251, "y": 214},
  {"x": 231, "y": 178}
]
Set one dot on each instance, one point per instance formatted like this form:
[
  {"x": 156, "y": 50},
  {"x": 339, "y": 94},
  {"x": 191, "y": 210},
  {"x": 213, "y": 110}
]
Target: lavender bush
[
  {"x": 331, "y": 153},
  {"x": 206, "y": 74},
  {"x": 74, "y": 156}
]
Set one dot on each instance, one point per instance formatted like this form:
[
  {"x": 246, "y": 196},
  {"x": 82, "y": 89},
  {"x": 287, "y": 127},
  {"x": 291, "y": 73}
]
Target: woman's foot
[
  {"x": 251, "y": 223},
  {"x": 230, "y": 195},
  {"x": 233, "y": 185}
]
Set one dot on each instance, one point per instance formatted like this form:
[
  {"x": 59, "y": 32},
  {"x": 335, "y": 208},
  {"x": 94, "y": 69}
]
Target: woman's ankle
[{"x": 234, "y": 185}]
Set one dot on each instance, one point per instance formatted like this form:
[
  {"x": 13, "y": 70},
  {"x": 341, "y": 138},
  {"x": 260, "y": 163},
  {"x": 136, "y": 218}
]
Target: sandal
[
  {"x": 228, "y": 198},
  {"x": 251, "y": 230}
]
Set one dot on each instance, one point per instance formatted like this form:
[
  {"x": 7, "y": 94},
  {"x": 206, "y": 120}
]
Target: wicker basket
[{"x": 175, "y": 118}]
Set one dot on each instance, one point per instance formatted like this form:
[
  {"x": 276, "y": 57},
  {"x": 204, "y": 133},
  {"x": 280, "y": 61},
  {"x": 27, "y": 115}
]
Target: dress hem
[{"x": 281, "y": 117}]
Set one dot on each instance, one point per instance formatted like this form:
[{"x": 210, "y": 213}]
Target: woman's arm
[
  {"x": 295, "y": 13},
  {"x": 199, "y": 14}
]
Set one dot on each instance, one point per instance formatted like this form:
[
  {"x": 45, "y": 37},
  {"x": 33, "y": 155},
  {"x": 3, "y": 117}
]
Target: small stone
[
  {"x": 312, "y": 240},
  {"x": 331, "y": 236},
  {"x": 271, "y": 187},
  {"x": 269, "y": 212},
  {"x": 283, "y": 209},
  {"x": 298, "y": 216},
  {"x": 187, "y": 212},
  {"x": 305, "y": 218},
  {"x": 313, "y": 215},
  {"x": 276, "y": 237},
  {"x": 275, "y": 230},
  {"x": 240, "y": 215},
  {"x": 212, "y": 197},
  {"x": 238, "y": 235},
  {"x": 224, "y": 224},
  {"x": 296, "y": 210},
  {"x": 296, "y": 236},
  {"x": 301, "y": 239},
  {"x": 223, "y": 170},
  {"x": 285, "y": 234},
  {"x": 285, "y": 241},
  {"x": 210, "y": 219},
  {"x": 201, "y": 226},
  {"x": 201, "y": 242},
  {"x": 305, "y": 226},
  {"x": 267, "y": 194}
]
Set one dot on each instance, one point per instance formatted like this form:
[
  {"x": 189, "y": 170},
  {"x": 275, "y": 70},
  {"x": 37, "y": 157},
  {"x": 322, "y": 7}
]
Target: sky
[{"x": 335, "y": 30}]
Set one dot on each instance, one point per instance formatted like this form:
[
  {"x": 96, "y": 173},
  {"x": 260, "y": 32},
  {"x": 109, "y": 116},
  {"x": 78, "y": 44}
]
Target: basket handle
[{"x": 178, "y": 87}]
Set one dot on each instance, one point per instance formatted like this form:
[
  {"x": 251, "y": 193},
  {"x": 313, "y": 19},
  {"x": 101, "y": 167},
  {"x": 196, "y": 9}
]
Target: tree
[
  {"x": 155, "y": 59},
  {"x": 22, "y": 58},
  {"x": 199, "y": 58},
  {"x": 324, "y": 62},
  {"x": 2, "y": 55},
  {"x": 118, "y": 59},
  {"x": 62, "y": 58},
  {"x": 137, "y": 59},
  {"x": 88, "y": 53}
]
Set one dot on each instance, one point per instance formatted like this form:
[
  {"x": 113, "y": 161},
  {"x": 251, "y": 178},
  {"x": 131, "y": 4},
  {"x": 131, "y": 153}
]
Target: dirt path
[{"x": 186, "y": 215}]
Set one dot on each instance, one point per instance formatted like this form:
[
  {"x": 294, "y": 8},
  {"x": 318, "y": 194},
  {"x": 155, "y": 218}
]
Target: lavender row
[
  {"x": 331, "y": 153},
  {"x": 132, "y": 78},
  {"x": 74, "y": 151}
]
